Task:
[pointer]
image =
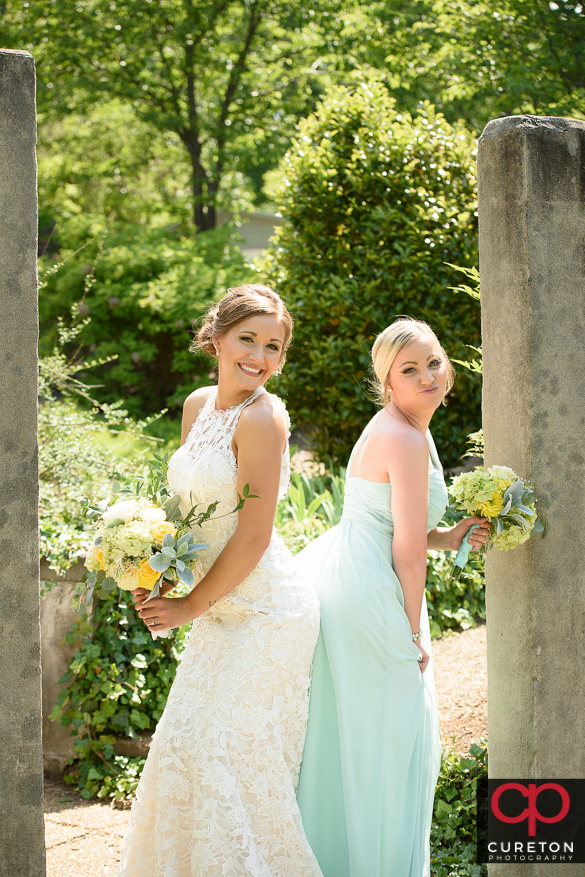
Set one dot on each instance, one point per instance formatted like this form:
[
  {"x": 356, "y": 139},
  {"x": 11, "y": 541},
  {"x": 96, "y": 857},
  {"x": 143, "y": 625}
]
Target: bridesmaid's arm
[
  {"x": 450, "y": 538},
  {"x": 261, "y": 440},
  {"x": 408, "y": 472}
]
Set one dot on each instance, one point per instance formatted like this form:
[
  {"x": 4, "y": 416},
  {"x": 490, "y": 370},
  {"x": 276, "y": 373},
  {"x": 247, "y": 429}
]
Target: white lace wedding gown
[{"x": 217, "y": 795}]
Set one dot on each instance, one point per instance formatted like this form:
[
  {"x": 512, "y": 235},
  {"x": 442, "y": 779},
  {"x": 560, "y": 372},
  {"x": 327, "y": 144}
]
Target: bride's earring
[{"x": 217, "y": 351}]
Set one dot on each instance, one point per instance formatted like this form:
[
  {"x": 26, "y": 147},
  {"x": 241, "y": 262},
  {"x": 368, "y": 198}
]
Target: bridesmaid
[{"x": 372, "y": 751}]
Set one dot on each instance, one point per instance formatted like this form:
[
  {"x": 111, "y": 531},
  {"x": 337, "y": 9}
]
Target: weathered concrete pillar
[
  {"x": 57, "y": 619},
  {"x": 532, "y": 265},
  {"x": 22, "y": 852}
]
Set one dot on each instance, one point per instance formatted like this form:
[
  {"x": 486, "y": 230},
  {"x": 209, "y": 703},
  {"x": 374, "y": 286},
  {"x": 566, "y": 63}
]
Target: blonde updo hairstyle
[
  {"x": 237, "y": 305},
  {"x": 388, "y": 345}
]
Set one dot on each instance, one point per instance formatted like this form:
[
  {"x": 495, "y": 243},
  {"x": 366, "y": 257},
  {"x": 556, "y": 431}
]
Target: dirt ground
[{"x": 84, "y": 837}]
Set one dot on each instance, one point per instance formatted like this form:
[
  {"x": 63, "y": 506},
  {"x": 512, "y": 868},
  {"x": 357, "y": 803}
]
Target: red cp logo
[{"x": 532, "y": 791}]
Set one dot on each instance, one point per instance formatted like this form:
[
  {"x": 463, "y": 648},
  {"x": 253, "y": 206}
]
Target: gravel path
[{"x": 84, "y": 837}]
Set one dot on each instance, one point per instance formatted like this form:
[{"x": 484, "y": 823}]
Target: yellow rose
[
  {"x": 148, "y": 576},
  {"x": 100, "y": 557},
  {"x": 159, "y": 531},
  {"x": 492, "y": 507}
]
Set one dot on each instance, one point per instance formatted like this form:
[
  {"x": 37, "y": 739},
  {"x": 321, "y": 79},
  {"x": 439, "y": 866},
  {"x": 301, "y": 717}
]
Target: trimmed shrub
[{"x": 378, "y": 205}]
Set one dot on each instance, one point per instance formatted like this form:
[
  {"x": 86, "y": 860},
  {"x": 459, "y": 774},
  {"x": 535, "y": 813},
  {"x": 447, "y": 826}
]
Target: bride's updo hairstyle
[
  {"x": 237, "y": 305},
  {"x": 388, "y": 345}
]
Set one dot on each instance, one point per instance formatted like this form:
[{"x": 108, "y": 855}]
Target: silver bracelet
[{"x": 416, "y": 636}]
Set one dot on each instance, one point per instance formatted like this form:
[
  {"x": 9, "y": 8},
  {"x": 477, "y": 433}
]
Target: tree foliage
[
  {"x": 474, "y": 60},
  {"x": 378, "y": 207},
  {"x": 150, "y": 286},
  {"x": 224, "y": 76},
  {"x": 111, "y": 165}
]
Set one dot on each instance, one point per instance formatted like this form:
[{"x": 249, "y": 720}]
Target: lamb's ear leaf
[
  {"x": 521, "y": 521},
  {"x": 186, "y": 576},
  {"x": 159, "y": 562}
]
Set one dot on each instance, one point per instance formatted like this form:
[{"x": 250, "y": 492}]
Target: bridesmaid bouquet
[{"x": 505, "y": 500}]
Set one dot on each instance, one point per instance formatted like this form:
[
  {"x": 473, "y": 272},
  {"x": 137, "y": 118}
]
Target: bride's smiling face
[
  {"x": 418, "y": 376},
  {"x": 250, "y": 352}
]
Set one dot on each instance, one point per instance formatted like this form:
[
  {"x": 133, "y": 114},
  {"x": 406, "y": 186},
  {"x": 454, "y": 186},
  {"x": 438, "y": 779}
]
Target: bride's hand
[
  {"x": 141, "y": 594},
  {"x": 164, "y": 613},
  {"x": 425, "y": 656},
  {"x": 458, "y": 533}
]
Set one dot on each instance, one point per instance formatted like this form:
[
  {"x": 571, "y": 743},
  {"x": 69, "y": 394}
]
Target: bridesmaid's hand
[
  {"x": 477, "y": 538},
  {"x": 425, "y": 656}
]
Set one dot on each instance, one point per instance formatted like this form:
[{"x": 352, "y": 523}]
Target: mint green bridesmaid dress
[{"x": 372, "y": 752}]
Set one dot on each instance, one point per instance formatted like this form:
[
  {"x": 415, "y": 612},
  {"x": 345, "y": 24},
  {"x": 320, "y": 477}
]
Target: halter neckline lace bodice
[{"x": 213, "y": 431}]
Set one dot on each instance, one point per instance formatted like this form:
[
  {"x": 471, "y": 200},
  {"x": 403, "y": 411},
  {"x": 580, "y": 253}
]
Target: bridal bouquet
[
  {"x": 141, "y": 539},
  {"x": 505, "y": 500}
]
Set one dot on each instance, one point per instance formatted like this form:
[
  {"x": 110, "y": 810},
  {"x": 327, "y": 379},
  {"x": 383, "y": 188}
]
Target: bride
[{"x": 217, "y": 794}]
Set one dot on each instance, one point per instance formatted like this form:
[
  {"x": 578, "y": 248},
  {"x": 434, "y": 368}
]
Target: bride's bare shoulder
[
  {"x": 267, "y": 413},
  {"x": 191, "y": 408}
]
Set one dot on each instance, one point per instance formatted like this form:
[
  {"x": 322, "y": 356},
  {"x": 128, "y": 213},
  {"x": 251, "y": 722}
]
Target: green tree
[
  {"x": 475, "y": 60},
  {"x": 111, "y": 165},
  {"x": 227, "y": 77},
  {"x": 149, "y": 286},
  {"x": 378, "y": 205}
]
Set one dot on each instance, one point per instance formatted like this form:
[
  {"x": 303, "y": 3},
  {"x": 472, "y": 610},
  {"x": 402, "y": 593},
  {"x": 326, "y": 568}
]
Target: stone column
[
  {"x": 57, "y": 619},
  {"x": 22, "y": 851},
  {"x": 532, "y": 262}
]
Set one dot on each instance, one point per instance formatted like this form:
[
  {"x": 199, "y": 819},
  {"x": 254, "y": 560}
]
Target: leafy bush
[
  {"x": 378, "y": 206},
  {"x": 454, "y": 604},
  {"x": 453, "y": 832},
  {"x": 312, "y": 505},
  {"x": 118, "y": 684},
  {"x": 149, "y": 286},
  {"x": 79, "y": 451}
]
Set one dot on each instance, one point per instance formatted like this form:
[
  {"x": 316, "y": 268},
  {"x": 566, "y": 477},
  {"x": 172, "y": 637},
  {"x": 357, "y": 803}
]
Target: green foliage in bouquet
[
  {"x": 150, "y": 284},
  {"x": 453, "y": 832},
  {"x": 378, "y": 206}
]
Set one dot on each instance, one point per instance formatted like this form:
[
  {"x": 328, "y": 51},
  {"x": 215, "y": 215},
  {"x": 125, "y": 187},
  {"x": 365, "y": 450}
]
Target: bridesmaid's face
[
  {"x": 418, "y": 377},
  {"x": 250, "y": 351}
]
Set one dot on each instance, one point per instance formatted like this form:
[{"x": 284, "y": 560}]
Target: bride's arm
[{"x": 261, "y": 440}]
